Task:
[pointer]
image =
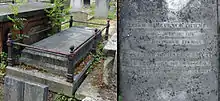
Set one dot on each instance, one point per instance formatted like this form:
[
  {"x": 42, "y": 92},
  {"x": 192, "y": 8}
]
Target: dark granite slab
[
  {"x": 168, "y": 50},
  {"x": 62, "y": 41},
  {"x": 59, "y": 43}
]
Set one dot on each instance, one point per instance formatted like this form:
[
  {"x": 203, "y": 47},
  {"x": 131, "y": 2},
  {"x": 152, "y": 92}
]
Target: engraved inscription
[
  {"x": 167, "y": 25},
  {"x": 168, "y": 50}
]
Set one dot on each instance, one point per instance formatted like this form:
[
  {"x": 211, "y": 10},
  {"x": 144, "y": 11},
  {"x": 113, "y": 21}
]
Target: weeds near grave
[
  {"x": 112, "y": 13},
  {"x": 120, "y": 98},
  {"x": 18, "y": 22},
  {"x": 98, "y": 55},
  {"x": 57, "y": 15},
  {"x": 62, "y": 97},
  {"x": 3, "y": 63}
]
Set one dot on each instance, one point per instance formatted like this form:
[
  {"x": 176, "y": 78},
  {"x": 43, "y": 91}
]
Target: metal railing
[{"x": 73, "y": 50}]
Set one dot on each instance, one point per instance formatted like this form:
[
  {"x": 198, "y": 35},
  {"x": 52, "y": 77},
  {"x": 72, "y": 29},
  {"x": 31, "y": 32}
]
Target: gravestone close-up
[{"x": 168, "y": 50}]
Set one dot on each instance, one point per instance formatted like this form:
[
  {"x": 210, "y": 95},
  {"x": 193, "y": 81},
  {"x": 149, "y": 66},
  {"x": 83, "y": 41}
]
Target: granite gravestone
[
  {"x": 17, "y": 89},
  {"x": 76, "y": 5},
  {"x": 168, "y": 50},
  {"x": 101, "y": 9}
]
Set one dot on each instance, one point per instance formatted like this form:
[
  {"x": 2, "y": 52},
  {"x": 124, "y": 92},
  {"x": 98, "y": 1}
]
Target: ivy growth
[
  {"x": 62, "y": 97},
  {"x": 18, "y": 22},
  {"x": 3, "y": 62},
  {"x": 57, "y": 14}
]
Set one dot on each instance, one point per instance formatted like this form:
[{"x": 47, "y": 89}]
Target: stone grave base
[
  {"x": 54, "y": 82},
  {"x": 16, "y": 89}
]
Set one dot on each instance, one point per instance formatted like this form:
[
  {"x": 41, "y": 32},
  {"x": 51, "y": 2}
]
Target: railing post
[
  {"x": 10, "y": 50},
  {"x": 71, "y": 21},
  {"x": 93, "y": 50},
  {"x": 70, "y": 70},
  {"x": 107, "y": 30}
]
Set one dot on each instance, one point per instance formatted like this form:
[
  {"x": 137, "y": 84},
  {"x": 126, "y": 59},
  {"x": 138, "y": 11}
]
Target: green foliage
[
  {"x": 62, "y": 97},
  {"x": 120, "y": 98},
  {"x": 112, "y": 14},
  {"x": 57, "y": 14},
  {"x": 99, "y": 52},
  {"x": 18, "y": 22},
  {"x": 98, "y": 56},
  {"x": 3, "y": 62}
]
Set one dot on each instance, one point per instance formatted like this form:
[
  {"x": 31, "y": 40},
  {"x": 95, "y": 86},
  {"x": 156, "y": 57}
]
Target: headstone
[
  {"x": 16, "y": 89},
  {"x": 101, "y": 9},
  {"x": 35, "y": 92},
  {"x": 168, "y": 50},
  {"x": 80, "y": 16},
  {"x": 76, "y": 5},
  {"x": 13, "y": 89}
]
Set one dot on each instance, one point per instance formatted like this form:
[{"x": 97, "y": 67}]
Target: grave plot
[{"x": 60, "y": 61}]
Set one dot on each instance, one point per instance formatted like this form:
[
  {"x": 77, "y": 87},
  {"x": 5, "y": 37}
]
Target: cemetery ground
[{"x": 95, "y": 77}]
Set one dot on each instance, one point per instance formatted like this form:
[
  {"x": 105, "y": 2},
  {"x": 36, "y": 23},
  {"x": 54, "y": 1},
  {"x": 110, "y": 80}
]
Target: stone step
[
  {"x": 55, "y": 83},
  {"x": 52, "y": 68}
]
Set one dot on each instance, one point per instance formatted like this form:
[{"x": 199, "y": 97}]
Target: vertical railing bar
[
  {"x": 70, "y": 68},
  {"x": 107, "y": 30},
  {"x": 10, "y": 51},
  {"x": 71, "y": 21}
]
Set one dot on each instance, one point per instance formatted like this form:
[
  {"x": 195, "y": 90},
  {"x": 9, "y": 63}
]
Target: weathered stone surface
[
  {"x": 16, "y": 89},
  {"x": 101, "y": 10},
  {"x": 107, "y": 70},
  {"x": 13, "y": 89},
  {"x": 168, "y": 50},
  {"x": 56, "y": 83},
  {"x": 114, "y": 71},
  {"x": 88, "y": 99},
  {"x": 111, "y": 46},
  {"x": 35, "y": 92}
]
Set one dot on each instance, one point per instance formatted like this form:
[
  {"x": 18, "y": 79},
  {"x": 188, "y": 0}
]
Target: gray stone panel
[
  {"x": 13, "y": 89},
  {"x": 16, "y": 89},
  {"x": 101, "y": 9},
  {"x": 35, "y": 92},
  {"x": 168, "y": 50}
]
